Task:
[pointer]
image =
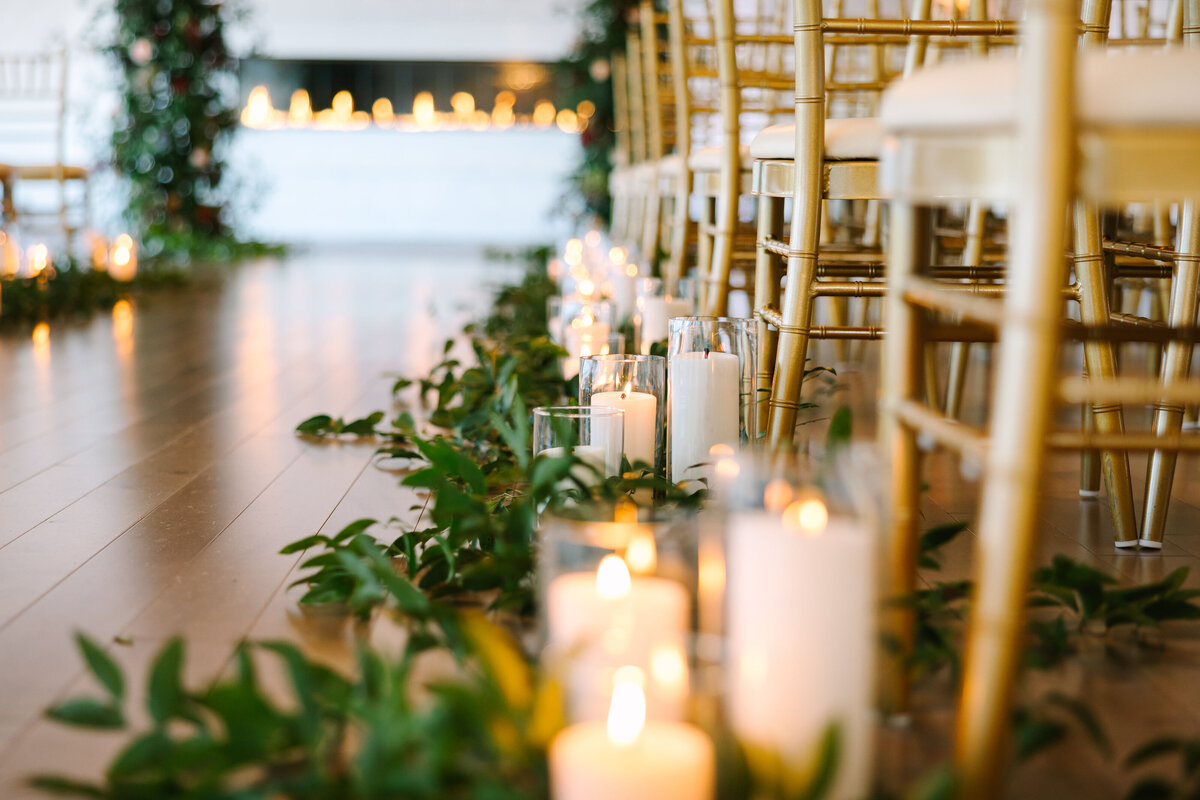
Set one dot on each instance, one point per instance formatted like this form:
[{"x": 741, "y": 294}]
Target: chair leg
[
  {"x": 793, "y": 343},
  {"x": 704, "y": 247},
  {"x": 960, "y": 353},
  {"x": 900, "y": 379},
  {"x": 1102, "y": 365},
  {"x": 1168, "y": 417},
  {"x": 679, "y": 233},
  {"x": 1022, "y": 400},
  {"x": 651, "y": 225},
  {"x": 1089, "y": 460},
  {"x": 766, "y": 293}
]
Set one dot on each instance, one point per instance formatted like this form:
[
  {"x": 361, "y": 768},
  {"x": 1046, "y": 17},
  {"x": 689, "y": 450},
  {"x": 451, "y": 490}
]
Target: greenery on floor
[
  {"x": 459, "y": 581},
  {"x": 65, "y": 289}
]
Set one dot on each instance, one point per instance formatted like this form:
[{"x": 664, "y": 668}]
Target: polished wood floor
[{"x": 149, "y": 475}]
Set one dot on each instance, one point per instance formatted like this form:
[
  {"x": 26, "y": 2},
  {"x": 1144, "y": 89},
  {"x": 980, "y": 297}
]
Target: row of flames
[
  {"x": 343, "y": 116},
  {"x": 118, "y": 257}
]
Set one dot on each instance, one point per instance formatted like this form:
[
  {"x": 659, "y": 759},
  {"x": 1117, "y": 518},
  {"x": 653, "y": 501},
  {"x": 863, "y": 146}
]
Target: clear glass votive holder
[
  {"x": 710, "y": 390},
  {"x": 594, "y": 435},
  {"x": 637, "y": 384},
  {"x": 796, "y": 614},
  {"x": 617, "y": 588},
  {"x": 655, "y": 307}
]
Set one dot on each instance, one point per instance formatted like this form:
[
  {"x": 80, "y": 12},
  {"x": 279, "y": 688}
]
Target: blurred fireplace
[{"x": 405, "y": 95}]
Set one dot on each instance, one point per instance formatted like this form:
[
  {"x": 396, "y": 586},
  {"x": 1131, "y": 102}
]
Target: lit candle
[
  {"x": 641, "y": 418},
  {"x": 656, "y": 311},
  {"x": 800, "y": 626},
  {"x": 704, "y": 391},
  {"x": 122, "y": 259},
  {"x": 630, "y": 758},
  {"x": 610, "y": 617}
]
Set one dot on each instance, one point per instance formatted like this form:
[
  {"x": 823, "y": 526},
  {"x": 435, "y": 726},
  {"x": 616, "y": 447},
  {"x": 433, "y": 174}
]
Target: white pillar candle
[
  {"x": 800, "y": 625},
  {"x": 627, "y": 758},
  {"x": 656, "y": 311},
  {"x": 704, "y": 392},
  {"x": 641, "y": 420},
  {"x": 607, "y": 618}
]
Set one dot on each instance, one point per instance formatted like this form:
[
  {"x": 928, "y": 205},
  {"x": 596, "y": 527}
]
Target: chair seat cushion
[
  {"x": 48, "y": 172},
  {"x": 1114, "y": 88},
  {"x": 708, "y": 159},
  {"x": 845, "y": 139}
]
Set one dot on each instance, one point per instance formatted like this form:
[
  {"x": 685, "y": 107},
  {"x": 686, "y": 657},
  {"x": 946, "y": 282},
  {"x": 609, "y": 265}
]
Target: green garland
[
  {"x": 175, "y": 123},
  {"x": 66, "y": 289}
]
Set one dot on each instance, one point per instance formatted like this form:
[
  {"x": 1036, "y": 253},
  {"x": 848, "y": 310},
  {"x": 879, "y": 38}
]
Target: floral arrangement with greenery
[{"x": 177, "y": 116}]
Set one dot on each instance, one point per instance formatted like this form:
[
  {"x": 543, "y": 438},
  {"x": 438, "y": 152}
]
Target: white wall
[
  {"x": 301, "y": 204},
  {"x": 441, "y": 30}
]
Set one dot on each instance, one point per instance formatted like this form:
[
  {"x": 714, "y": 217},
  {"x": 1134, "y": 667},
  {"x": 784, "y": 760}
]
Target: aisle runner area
[{"x": 149, "y": 472}]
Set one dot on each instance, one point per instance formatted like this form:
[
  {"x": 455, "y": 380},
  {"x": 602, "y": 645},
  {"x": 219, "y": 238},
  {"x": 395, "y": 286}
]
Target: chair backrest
[
  {"x": 636, "y": 95},
  {"x": 33, "y": 90},
  {"x": 661, "y": 128}
]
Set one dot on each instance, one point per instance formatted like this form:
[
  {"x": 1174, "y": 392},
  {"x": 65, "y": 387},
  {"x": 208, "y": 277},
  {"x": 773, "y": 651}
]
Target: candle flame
[
  {"x": 627, "y": 711},
  {"x": 668, "y": 666},
  {"x": 807, "y": 516},
  {"x": 720, "y": 449},
  {"x": 777, "y": 494},
  {"x": 41, "y": 335},
  {"x": 39, "y": 257},
  {"x": 641, "y": 554},
  {"x": 586, "y": 288},
  {"x": 617, "y": 255},
  {"x": 592, "y": 238},
  {"x": 612, "y": 577},
  {"x": 728, "y": 468},
  {"x": 626, "y": 512},
  {"x": 631, "y": 270},
  {"x": 300, "y": 109}
]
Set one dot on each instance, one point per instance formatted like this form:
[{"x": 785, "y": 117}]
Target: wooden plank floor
[
  {"x": 149, "y": 472},
  {"x": 149, "y": 475}
]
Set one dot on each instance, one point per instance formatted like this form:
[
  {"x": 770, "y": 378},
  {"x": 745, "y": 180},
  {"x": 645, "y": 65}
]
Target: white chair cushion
[
  {"x": 1146, "y": 87},
  {"x": 708, "y": 159},
  {"x": 854, "y": 138}
]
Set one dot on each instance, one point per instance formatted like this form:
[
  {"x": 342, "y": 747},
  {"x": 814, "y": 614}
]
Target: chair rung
[
  {"x": 1077, "y": 440},
  {"x": 1141, "y": 250},
  {"x": 848, "y": 289},
  {"x": 1074, "y": 389},
  {"x": 957, "y": 298},
  {"x": 775, "y": 246},
  {"x": 944, "y": 430}
]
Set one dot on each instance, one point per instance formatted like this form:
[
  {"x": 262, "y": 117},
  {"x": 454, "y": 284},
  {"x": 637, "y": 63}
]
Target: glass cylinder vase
[
  {"x": 637, "y": 384},
  {"x": 798, "y": 617},
  {"x": 595, "y": 435},
  {"x": 617, "y": 589},
  {"x": 711, "y": 397}
]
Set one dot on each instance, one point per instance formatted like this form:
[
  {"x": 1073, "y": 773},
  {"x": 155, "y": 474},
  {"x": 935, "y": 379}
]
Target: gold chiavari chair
[
  {"x": 33, "y": 110},
  {"x": 1131, "y": 135},
  {"x": 664, "y": 163},
  {"x": 750, "y": 80},
  {"x": 818, "y": 159},
  {"x": 622, "y": 158}
]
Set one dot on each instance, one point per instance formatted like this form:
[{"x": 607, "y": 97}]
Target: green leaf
[
  {"x": 364, "y": 426},
  {"x": 66, "y": 787},
  {"x": 315, "y": 426},
  {"x": 840, "y": 429},
  {"x": 1154, "y": 749},
  {"x": 1085, "y": 718},
  {"x": 164, "y": 693},
  {"x": 102, "y": 666},
  {"x": 85, "y": 712},
  {"x": 303, "y": 544},
  {"x": 144, "y": 752},
  {"x": 827, "y": 765}
]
